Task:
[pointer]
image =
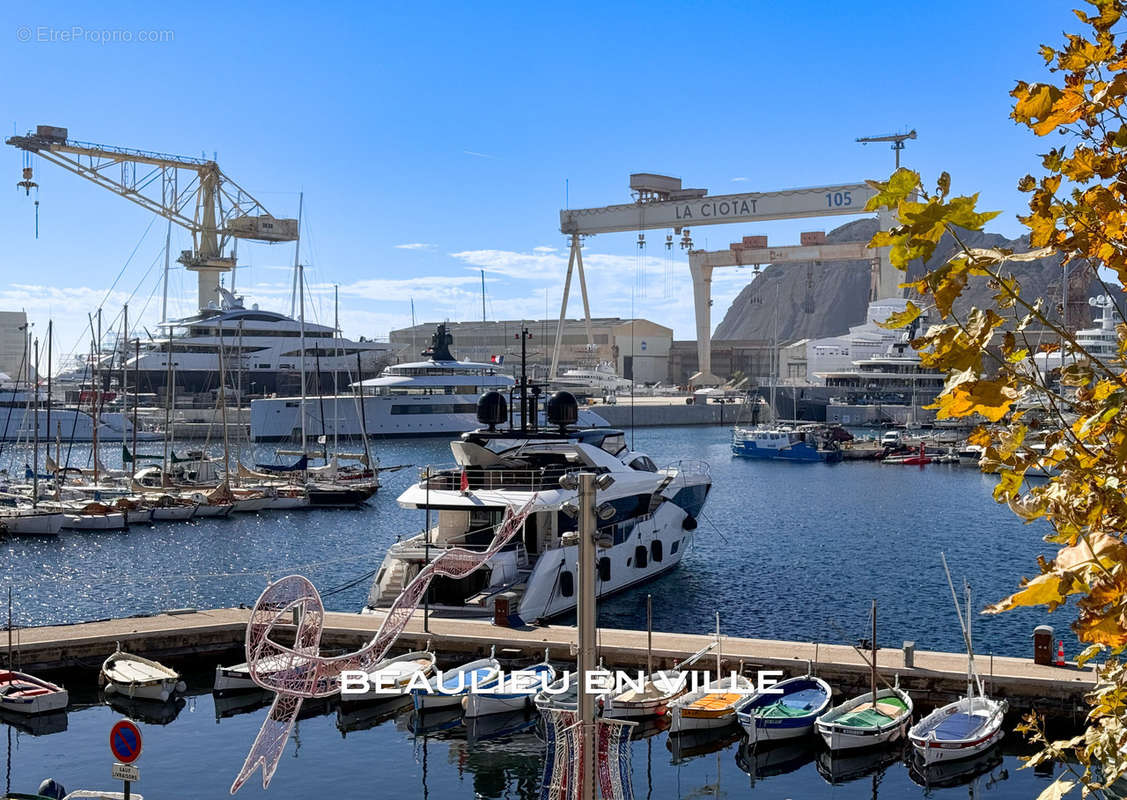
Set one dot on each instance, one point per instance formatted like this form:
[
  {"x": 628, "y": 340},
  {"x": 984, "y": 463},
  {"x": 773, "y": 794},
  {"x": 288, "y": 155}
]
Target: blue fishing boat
[
  {"x": 776, "y": 444},
  {"x": 786, "y": 713}
]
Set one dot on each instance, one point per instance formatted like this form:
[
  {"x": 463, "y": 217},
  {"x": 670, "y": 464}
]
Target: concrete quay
[{"x": 218, "y": 634}]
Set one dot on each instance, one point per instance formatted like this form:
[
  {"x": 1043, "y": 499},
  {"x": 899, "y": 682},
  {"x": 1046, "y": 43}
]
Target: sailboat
[
  {"x": 969, "y": 725},
  {"x": 657, "y": 691},
  {"x": 873, "y": 718}
]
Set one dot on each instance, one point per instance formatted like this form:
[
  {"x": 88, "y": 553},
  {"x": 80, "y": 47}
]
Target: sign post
[{"x": 125, "y": 745}]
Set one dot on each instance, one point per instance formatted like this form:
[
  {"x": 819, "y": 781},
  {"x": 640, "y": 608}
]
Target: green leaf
[{"x": 898, "y": 187}]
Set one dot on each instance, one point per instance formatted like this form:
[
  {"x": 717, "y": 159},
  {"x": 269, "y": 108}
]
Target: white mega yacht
[
  {"x": 646, "y": 515},
  {"x": 421, "y": 398},
  {"x": 20, "y": 414},
  {"x": 262, "y": 348}
]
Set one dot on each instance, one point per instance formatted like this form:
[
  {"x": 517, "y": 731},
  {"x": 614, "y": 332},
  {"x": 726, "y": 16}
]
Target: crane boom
[{"x": 194, "y": 193}]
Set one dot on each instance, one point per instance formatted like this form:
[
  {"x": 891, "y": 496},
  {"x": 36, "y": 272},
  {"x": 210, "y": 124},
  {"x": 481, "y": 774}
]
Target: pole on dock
[
  {"x": 649, "y": 634},
  {"x": 873, "y": 643},
  {"x": 586, "y": 621}
]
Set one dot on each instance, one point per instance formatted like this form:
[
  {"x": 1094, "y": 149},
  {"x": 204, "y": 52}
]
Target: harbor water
[{"x": 783, "y": 551}]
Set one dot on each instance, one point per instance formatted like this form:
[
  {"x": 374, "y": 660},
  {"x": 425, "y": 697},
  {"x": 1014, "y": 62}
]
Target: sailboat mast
[
  {"x": 321, "y": 402},
  {"x": 168, "y": 390},
  {"x": 239, "y": 405},
  {"x": 873, "y": 642},
  {"x": 363, "y": 413},
  {"x": 136, "y": 399},
  {"x": 164, "y": 290},
  {"x": 649, "y": 634},
  {"x": 97, "y": 405},
  {"x": 301, "y": 348},
  {"x": 124, "y": 368},
  {"x": 223, "y": 410},
  {"x": 718, "y": 646},
  {"x": 50, "y": 341},
  {"x": 775, "y": 349},
  {"x": 35, "y": 444},
  {"x": 336, "y": 366}
]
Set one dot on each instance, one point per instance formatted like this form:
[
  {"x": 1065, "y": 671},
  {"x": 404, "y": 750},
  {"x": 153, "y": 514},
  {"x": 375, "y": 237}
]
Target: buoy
[{"x": 1060, "y": 652}]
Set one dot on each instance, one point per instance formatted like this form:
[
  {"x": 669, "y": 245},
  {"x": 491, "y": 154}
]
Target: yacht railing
[
  {"x": 688, "y": 466},
  {"x": 486, "y": 478}
]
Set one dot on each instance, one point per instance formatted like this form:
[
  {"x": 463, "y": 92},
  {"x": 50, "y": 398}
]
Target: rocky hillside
[{"x": 827, "y": 299}]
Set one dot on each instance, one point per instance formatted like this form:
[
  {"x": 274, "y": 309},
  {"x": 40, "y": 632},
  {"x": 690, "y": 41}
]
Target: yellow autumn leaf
[
  {"x": 1042, "y": 590},
  {"x": 902, "y": 319}
]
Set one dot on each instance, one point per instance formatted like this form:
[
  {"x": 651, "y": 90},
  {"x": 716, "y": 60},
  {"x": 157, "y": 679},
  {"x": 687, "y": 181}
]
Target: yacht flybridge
[{"x": 646, "y": 516}]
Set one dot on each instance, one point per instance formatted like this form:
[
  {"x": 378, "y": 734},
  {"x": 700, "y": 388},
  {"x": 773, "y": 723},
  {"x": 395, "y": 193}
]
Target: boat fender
[
  {"x": 164, "y": 695},
  {"x": 181, "y": 687},
  {"x": 689, "y": 523},
  {"x": 51, "y": 788}
]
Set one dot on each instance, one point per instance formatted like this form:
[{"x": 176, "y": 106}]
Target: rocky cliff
[{"x": 825, "y": 299}]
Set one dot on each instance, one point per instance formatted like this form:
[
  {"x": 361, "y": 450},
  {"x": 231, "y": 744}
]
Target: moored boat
[
  {"x": 21, "y": 693},
  {"x": 514, "y": 692},
  {"x": 714, "y": 706},
  {"x": 861, "y": 722},
  {"x": 141, "y": 678},
  {"x": 392, "y": 677},
  {"x": 969, "y": 725},
  {"x": 787, "y": 712},
  {"x": 447, "y": 688}
]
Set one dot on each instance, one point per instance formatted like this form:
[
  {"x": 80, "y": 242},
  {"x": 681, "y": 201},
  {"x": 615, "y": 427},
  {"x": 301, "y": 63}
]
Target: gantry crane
[{"x": 191, "y": 192}]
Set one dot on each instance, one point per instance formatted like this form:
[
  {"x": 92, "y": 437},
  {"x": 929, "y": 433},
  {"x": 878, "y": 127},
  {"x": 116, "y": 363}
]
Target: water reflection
[
  {"x": 154, "y": 712},
  {"x": 763, "y": 760},
  {"x": 958, "y": 773}
]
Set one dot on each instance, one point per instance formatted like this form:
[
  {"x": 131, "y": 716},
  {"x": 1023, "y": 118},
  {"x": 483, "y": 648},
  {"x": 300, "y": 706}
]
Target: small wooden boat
[
  {"x": 237, "y": 678},
  {"x": 513, "y": 693},
  {"x": 656, "y": 691},
  {"x": 137, "y": 677},
  {"x": 910, "y": 459},
  {"x": 971, "y": 724},
  {"x": 173, "y": 509},
  {"x": 711, "y": 707},
  {"x": 135, "y": 510},
  {"x": 875, "y": 717},
  {"x": 392, "y": 677},
  {"x": 22, "y": 693},
  {"x": 447, "y": 688},
  {"x": 563, "y": 692},
  {"x": 340, "y": 495},
  {"x": 787, "y": 713}
]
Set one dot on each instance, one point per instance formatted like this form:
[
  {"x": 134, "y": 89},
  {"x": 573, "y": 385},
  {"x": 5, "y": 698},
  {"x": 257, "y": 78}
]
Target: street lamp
[{"x": 586, "y": 483}]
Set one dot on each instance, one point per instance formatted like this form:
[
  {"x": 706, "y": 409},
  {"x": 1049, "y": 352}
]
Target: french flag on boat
[{"x": 498, "y": 360}]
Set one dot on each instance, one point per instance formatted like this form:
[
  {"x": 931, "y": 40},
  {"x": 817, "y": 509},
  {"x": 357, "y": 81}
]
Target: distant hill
[{"x": 839, "y": 290}]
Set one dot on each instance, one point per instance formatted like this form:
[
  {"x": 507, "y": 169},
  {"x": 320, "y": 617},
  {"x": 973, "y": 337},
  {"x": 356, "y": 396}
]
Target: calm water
[
  {"x": 784, "y": 551},
  {"x": 197, "y": 755}
]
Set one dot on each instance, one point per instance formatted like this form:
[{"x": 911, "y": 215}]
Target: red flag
[{"x": 465, "y": 486}]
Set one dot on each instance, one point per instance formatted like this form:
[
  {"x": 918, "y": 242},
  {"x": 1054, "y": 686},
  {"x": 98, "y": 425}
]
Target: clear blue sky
[{"x": 453, "y": 128}]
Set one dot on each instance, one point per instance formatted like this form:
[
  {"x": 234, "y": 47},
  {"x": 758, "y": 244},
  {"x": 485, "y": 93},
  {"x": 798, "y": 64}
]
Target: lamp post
[{"x": 587, "y": 513}]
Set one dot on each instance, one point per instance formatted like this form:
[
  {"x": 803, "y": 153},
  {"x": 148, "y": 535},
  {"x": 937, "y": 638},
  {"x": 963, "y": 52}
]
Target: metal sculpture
[
  {"x": 298, "y": 671},
  {"x": 563, "y": 766}
]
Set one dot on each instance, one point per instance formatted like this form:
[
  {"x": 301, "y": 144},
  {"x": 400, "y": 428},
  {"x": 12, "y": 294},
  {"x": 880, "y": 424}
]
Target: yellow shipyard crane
[{"x": 193, "y": 193}]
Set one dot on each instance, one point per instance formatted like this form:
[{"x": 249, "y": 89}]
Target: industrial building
[
  {"x": 13, "y": 342},
  {"x": 639, "y": 348}
]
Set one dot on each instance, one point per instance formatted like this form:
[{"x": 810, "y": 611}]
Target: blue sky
[{"x": 454, "y": 127}]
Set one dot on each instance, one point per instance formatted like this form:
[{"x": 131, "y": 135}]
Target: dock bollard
[{"x": 909, "y": 655}]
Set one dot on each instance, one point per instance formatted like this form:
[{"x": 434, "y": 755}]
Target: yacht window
[
  {"x": 614, "y": 444},
  {"x": 567, "y": 584},
  {"x": 675, "y": 547},
  {"x": 655, "y": 549},
  {"x": 640, "y": 557},
  {"x": 604, "y": 569},
  {"x": 644, "y": 464}
]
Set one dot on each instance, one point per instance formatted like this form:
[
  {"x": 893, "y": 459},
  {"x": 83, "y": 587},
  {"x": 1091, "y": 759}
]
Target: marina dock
[{"x": 932, "y": 677}]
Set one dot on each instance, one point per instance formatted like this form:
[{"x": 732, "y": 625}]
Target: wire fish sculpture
[{"x": 296, "y": 672}]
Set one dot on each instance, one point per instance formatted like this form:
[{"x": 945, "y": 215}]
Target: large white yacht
[
  {"x": 1101, "y": 341},
  {"x": 421, "y": 398},
  {"x": 262, "y": 351},
  {"x": 646, "y": 515},
  {"x": 19, "y": 410}
]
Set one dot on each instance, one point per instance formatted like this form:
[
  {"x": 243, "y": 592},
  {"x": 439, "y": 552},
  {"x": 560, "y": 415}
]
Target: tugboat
[{"x": 646, "y": 514}]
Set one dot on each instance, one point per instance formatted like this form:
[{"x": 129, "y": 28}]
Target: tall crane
[
  {"x": 191, "y": 192},
  {"x": 897, "y": 140}
]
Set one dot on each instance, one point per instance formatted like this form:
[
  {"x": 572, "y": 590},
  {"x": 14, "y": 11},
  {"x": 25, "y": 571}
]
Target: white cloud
[
  {"x": 543, "y": 249},
  {"x": 476, "y": 154},
  {"x": 416, "y": 246},
  {"x": 739, "y": 179}
]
